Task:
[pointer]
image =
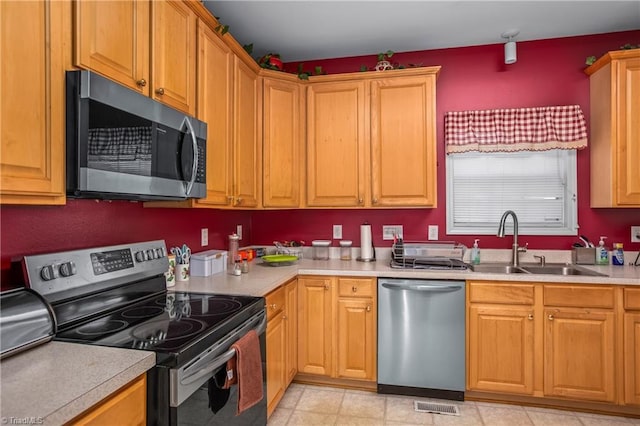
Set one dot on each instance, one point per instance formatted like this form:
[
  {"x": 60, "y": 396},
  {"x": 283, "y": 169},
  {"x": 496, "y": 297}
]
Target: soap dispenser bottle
[
  {"x": 475, "y": 252},
  {"x": 602, "y": 254}
]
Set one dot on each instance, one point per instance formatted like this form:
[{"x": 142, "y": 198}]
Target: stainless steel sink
[
  {"x": 562, "y": 270},
  {"x": 496, "y": 268},
  {"x": 549, "y": 269}
]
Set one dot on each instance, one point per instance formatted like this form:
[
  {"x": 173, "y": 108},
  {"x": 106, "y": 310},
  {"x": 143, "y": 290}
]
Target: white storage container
[{"x": 208, "y": 262}]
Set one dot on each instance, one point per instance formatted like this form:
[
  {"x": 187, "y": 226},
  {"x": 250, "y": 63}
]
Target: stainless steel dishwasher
[{"x": 421, "y": 337}]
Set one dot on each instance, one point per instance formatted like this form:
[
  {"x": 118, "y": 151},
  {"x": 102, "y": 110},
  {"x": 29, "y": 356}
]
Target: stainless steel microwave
[{"x": 125, "y": 146}]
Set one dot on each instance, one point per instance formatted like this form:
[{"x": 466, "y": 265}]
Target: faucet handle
[
  {"x": 542, "y": 260},
  {"x": 523, "y": 249}
]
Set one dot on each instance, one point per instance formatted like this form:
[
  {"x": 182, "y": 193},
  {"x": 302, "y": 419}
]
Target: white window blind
[{"x": 540, "y": 187}]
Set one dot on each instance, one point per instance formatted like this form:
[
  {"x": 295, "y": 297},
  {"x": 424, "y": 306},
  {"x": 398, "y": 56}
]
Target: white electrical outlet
[
  {"x": 239, "y": 231},
  {"x": 337, "y": 232},
  {"x": 635, "y": 234},
  {"x": 388, "y": 231},
  {"x": 433, "y": 232},
  {"x": 204, "y": 237}
]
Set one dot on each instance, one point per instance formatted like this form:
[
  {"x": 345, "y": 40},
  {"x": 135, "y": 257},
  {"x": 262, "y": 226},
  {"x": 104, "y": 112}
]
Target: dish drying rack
[
  {"x": 282, "y": 249},
  {"x": 428, "y": 255}
]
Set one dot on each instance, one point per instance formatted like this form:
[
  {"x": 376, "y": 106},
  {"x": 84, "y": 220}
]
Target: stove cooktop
[{"x": 174, "y": 325}]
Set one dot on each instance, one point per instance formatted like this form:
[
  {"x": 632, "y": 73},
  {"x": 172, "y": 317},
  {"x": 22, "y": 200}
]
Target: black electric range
[{"x": 116, "y": 296}]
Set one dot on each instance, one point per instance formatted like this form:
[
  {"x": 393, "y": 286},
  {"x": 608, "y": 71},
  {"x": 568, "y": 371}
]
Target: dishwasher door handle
[{"x": 423, "y": 287}]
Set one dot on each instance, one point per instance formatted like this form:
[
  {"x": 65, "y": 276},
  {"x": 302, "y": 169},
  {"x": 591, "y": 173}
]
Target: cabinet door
[
  {"x": 291, "y": 327},
  {"x": 403, "y": 141},
  {"x": 337, "y": 144},
  {"x": 628, "y": 131},
  {"x": 173, "y": 43},
  {"x": 31, "y": 102},
  {"x": 501, "y": 349},
  {"x": 315, "y": 325},
  {"x": 632, "y": 358},
  {"x": 112, "y": 38},
  {"x": 282, "y": 141},
  {"x": 215, "y": 77},
  {"x": 247, "y": 150},
  {"x": 356, "y": 339},
  {"x": 578, "y": 354},
  {"x": 127, "y": 406},
  {"x": 276, "y": 380}
]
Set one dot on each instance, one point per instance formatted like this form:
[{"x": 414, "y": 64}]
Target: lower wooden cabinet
[
  {"x": 281, "y": 329},
  {"x": 501, "y": 348},
  {"x": 126, "y": 407},
  {"x": 579, "y": 354},
  {"x": 337, "y": 327},
  {"x": 552, "y": 340},
  {"x": 631, "y": 348}
]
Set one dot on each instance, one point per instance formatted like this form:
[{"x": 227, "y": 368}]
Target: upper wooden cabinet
[
  {"x": 173, "y": 55},
  {"x": 615, "y": 129},
  {"x": 371, "y": 139},
  {"x": 147, "y": 46},
  {"x": 283, "y": 140},
  {"x": 32, "y": 41},
  {"x": 247, "y": 149},
  {"x": 403, "y": 141},
  {"x": 112, "y": 38}
]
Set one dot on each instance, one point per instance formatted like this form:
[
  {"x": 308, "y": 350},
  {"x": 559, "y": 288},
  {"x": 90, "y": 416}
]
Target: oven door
[{"x": 180, "y": 396}]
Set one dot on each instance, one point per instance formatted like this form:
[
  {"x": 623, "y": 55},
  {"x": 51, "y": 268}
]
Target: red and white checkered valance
[{"x": 518, "y": 129}]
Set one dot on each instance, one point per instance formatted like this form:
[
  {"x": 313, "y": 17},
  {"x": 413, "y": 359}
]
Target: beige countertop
[
  {"x": 263, "y": 279},
  {"x": 53, "y": 383}
]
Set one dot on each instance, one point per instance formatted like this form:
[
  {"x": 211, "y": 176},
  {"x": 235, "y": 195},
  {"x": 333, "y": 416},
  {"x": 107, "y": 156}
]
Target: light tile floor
[{"x": 314, "y": 405}]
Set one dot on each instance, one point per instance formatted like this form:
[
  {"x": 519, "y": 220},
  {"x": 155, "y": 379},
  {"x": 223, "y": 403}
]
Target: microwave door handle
[{"x": 194, "y": 168}]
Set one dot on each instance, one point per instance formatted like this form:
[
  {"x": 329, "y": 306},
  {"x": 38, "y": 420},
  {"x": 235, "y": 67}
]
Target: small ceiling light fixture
[{"x": 510, "y": 54}]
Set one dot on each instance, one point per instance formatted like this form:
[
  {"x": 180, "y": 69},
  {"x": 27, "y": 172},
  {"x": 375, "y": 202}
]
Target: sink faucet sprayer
[{"x": 515, "y": 250}]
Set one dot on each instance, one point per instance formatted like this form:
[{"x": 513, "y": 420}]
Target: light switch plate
[
  {"x": 433, "y": 232},
  {"x": 239, "y": 231},
  {"x": 388, "y": 231},
  {"x": 337, "y": 232},
  {"x": 635, "y": 234},
  {"x": 204, "y": 237}
]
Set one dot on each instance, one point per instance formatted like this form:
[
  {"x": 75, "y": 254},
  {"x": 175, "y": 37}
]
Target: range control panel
[{"x": 59, "y": 275}]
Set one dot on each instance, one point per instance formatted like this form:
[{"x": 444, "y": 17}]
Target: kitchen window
[{"x": 539, "y": 186}]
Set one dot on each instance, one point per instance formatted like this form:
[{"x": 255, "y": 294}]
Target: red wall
[
  {"x": 548, "y": 72},
  {"x": 88, "y": 223}
]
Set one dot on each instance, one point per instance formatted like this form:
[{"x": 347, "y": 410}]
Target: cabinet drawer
[
  {"x": 275, "y": 302},
  {"x": 578, "y": 296},
  {"x": 352, "y": 287},
  {"x": 632, "y": 298},
  {"x": 507, "y": 293}
]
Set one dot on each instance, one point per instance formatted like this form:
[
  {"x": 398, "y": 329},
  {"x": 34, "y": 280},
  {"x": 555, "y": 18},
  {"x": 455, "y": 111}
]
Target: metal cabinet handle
[
  {"x": 550, "y": 317},
  {"x": 530, "y": 316},
  {"x": 160, "y": 91},
  {"x": 273, "y": 306},
  {"x": 375, "y": 201},
  {"x": 368, "y": 308},
  {"x": 142, "y": 82},
  {"x": 354, "y": 289},
  {"x": 326, "y": 286},
  {"x": 284, "y": 317},
  {"x": 360, "y": 200},
  {"x": 238, "y": 201}
]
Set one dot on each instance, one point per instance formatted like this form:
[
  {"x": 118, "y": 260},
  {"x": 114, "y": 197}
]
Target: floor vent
[{"x": 436, "y": 408}]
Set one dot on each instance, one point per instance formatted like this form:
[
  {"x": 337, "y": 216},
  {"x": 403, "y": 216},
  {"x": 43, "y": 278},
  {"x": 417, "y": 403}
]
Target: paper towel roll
[{"x": 366, "y": 247}]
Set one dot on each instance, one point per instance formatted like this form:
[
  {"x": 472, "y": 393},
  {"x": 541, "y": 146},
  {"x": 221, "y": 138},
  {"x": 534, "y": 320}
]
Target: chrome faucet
[{"x": 515, "y": 249}]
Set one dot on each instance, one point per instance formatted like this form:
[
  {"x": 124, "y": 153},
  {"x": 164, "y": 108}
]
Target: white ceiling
[{"x": 303, "y": 30}]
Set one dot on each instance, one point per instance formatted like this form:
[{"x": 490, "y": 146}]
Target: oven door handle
[{"x": 220, "y": 360}]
